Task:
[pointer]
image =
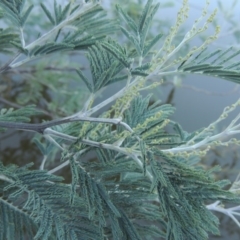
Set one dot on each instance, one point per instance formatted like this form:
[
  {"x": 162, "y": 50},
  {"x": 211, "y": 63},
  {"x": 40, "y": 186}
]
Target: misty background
[{"x": 199, "y": 100}]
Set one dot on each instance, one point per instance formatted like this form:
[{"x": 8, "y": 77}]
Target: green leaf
[
  {"x": 151, "y": 43},
  {"x": 147, "y": 23},
  {"x": 106, "y": 76},
  {"x": 199, "y": 67},
  {"x": 134, "y": 40},
  {"x": 85, "y": 80},
  {"x": 7, "y": 37},
  {"x": 48, "y": 14},
  {"x": 65, "y": 11},
  {"x": 220, "y": 56},
  {"x": 144, "y": 15},
  {"x": 117, "y": 54},
  {"x": 144, "y": 67},
  {"x": 39, "y": 49},
  {"x": 57, "y": 47},
  {"x": 236, "y": 53},
  {"x": 13, "y": 10},
  {"x": 130, "y": 22},
  {"x": 40, "y": 146},
  {"x": 19, "y": 47},
  {"x": 75, "y": 180},
  {"x": 20, "y": 5},
  {"x": 143, "y": 150},
  {"x": 117, "y": 79},
  {"x": 50, "y": 48},
  {"x": 10, "y": 12},
  {"x": 210, "y": 55},
  {"x": 25, "y": 15},
  {"x": 213, "y": 64},
  {"x": 71, "y": 36},
  {"x": 42, "y": 205},
  {"x": 57, "y": 12},
  {"x": 75, "y": 8},
  {"x": 139, "y": 73}
]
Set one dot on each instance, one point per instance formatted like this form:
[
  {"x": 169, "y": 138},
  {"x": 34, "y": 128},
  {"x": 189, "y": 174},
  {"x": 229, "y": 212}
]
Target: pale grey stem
[
  {"x": 85, "y": 7},
  {"x": 52, "y": 140},
  {"x": 48, "y": 35},
  {"x": 52, "y": 132},
  {"x": 22, "y": 37},
  {"x": 43, "y": 162},
  {"x": 123, "y": 90},
  {"x": 59, "y": 167},
  {"x": 6, "y": 179}
]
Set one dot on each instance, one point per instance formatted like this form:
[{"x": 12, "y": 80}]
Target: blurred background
[{"x": 54, "y": 87}]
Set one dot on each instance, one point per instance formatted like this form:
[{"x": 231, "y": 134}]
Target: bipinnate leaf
[
  {"x": 138, "y": 32},
  {"x": 117, "y": 53},
  {"x": 220, "y": 63},
  {"x": 85, "y": 80},
  {"x": 13, "y": 9},
  {"x": 48, "y": 14}
]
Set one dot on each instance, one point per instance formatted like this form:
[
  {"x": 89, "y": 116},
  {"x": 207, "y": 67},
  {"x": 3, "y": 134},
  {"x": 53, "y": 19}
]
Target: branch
[
  {"x": 77, "y": 14},
  {"x": 134, "y": 154},
  {"x": 121, "y": 92},
  {"x": 41, "y": 127},
  {"x": 232, "y": 129},
  {"x": 231, "y": 212},
  {"x": 6, "y": 179}
]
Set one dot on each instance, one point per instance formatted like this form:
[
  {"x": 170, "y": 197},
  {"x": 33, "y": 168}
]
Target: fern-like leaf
[
  {"x": 11, "y": 10},
  {"x": 85, "y": 80},
  {"x": 150, "y": 44},
  {"x": 104, "y": 67},
  {"x": 49, "y": 48},
  {"x": 129, "y": 201},
  {"x": 117, "y": 51},
  {"x": 179, "y": 204},
  {"x": 18, "y": 46},
  {"x": 14, "y": 11},
  {"x": 41, "y": 203},
  {"x": 139, "y": 31},
  {"x": 130, "y": 22},
  {"x": 48, "y": 14},
  {"x": 19, "y": 115},
  {"x": 25, "y": 15},
  {"x": 7, "y": 38},
  {"x": 220, "y": 63}
]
